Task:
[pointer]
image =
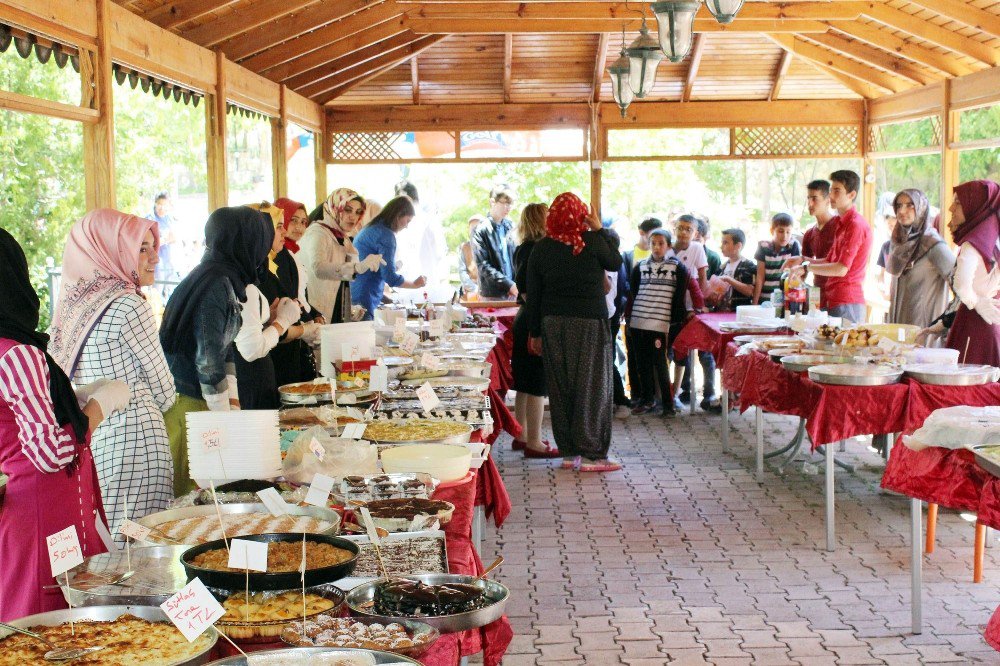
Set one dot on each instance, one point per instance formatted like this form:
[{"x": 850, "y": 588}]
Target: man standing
[
  {"x": 165, "y": 270},
  {"x": 493, "y": 243},
  {"x": 845, "y": 264},
  {"x": 818, "y": 239},
  {"x": 421, "y": 245}
]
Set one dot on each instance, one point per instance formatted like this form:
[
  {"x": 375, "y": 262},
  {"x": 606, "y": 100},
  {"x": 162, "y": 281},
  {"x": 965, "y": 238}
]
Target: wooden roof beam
[
  {"x": 173, "y": 14},
  {"x": 350, "y": 59},
  {"x": 313, "y": 64},
  {"x": 697, "y": 50},
  {"x": 963, "y": 12},
  {"x": 490, "y": 26},
  {"x": 779, "y": 76},
  {"x": 337, "y": 85},
  {"x": 244, "y": 19},
  {"x": 838, "y": 63},
  {"x": 508, "y": 65},
  {"x": 889, "y": 62},
  {"x": 943, "y": 37},
  {"x": 415, "y": 78},
  {"x": 542, "y": 9},
  {"x": 884, "y": 39},
  {"x": 600, "y": 64}
]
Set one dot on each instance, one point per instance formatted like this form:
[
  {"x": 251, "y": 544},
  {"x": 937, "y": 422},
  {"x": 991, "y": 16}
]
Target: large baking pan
[
  {"x": 361, "y": 602},
  {"x": 155, "y": 519},
  {"x": 460, "y": 438},
  {"x": 158, "y": 575},
  {"x": 834, "y": 374},
  {"x": 232, "y": 580},
  {"x": 290, "y": 398},
  {"x": 106, "y": 614},
  {"x": 990, "y": 463},
  {"x": 802, "y": 362},
  {"x": 422, "y": 634},
  {"x": 229, "y": 627},
  {"x": 962, "y": 374},
  {"x": 304, "y": 657}
]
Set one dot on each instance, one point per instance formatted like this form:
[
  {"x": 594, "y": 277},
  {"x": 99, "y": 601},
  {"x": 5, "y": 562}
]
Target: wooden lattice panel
[
  {"x": 878, "y": 142},
  {"x": 796, "y": 141},
  {"x": 365, "y": 145}
]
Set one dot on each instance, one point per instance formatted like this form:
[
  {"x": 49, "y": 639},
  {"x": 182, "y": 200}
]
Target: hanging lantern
[
  {"x": 675, "y": 23},
  {"x": 724, "y": 11},
  {"x": 620, "y": 87},
  {"x": 644, "y": 56}
]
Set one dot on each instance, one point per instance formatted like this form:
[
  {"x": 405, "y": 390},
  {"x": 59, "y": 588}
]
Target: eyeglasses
[
  {"x": 504, "y": 202},
  {"x": 902, "y": 205}
]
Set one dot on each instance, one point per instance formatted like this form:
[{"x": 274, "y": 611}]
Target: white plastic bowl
[
  {"x": 932, "y": 355},
  {"x": 446, "y": 462}
]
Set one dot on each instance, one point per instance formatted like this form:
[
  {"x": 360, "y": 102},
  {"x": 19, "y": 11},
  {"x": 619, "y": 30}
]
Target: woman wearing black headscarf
[
  {"x": 201, "y": 320},
  {"x": 44, "y": 448}
]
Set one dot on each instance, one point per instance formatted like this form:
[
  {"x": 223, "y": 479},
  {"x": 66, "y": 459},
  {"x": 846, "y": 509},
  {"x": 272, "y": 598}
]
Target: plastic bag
[{"x": 314, "y": 451}]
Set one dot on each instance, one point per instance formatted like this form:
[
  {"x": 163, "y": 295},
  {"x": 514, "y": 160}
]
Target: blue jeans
[
  {"x": 852, "y": 312},
  {"x": 708, "y": 369}
]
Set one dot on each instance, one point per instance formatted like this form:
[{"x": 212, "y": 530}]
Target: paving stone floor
[{"x": 685, "y": 557}]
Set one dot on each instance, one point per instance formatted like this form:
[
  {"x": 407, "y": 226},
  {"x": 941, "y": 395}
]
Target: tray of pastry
[
  {"x": 158, "y": 574},
  {"x": 386, "y": 486},
  {"x": 402, "y": 552}
]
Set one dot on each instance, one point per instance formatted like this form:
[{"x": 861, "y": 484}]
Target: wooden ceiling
[{"x": 375, "y": 52}]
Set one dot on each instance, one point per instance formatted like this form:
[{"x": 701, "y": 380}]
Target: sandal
[
  {"x": 604, "y": 465},
  {"x": 570, "y": 462},
  {"x": 518, "y": 445},
  {"x": 547, "y": 452}
]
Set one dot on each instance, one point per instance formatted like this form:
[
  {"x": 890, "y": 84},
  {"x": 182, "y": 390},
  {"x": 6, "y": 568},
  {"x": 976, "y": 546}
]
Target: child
[
  {"x": 659, "y": 286},
  {"x": 772, "y": 254},
  {"x": 701, "y": 235},
  {"x": 738, "y": 273},
  {"x": 692, "y": 254}
]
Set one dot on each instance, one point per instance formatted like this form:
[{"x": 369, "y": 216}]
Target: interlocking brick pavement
[{"x": 685, "y": 557}]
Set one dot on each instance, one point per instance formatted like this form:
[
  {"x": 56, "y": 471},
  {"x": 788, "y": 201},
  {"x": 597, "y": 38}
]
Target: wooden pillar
[
  {"x": 597, "y": 141},
  {"x": 949, "y": 157},
  {"x": 322, "y": 150},
  {"x": 99, "y": 137},
  {"x": 279, "y": 133},
  {"x": 215, "y": 136},
  {"x": 869, "y": 191}
]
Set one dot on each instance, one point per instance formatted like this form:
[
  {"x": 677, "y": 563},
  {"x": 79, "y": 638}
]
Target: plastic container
[
  {"x": 446, "y": 462},
  {"x": 932, "y": 355},
  {"x": 334, "y": 336}
]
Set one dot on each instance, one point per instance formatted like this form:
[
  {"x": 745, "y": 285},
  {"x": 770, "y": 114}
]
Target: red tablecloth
[
  {"x": 950, "y": 478},
  {"x": 777, "y": 390},
  {"x": 704, "y": 333},
  {"x": 925, "y": 398}
]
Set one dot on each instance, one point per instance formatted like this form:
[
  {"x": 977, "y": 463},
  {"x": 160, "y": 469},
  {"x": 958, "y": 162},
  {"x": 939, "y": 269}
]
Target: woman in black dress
[{"x": 529, "y": 371}]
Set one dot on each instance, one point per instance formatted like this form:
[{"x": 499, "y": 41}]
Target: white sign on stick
[
  {"x": 319, "y": 490},
  {"x": 271, "y": 498},
  {"x": 428, "y": 398},
  {"x": 378, "y": 379},
  {"x": 134, "y": 530},
  {"x": 64, "y": 550},
  {"x": 245, "y": 554},
  {"x": 193, "y": 609}
]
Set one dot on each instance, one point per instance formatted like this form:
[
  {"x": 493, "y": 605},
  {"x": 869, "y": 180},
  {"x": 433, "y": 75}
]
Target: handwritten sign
[
  {"x": 353, "y": 431},
  {"x": 134, "y": 530},
  {"x": 244, "y": 554},
  {"x": 409, "y": 342},
  {"x": 399, "y": 329},
  {"x": 319, "y": 490},
  {"x": 64, "y": 550},
  {"x": 430, "y": 361},
  {"x": 193, "y": 609},
  {"x": 350, "y": 351},
  {"x": 272, "y": 500},
  {"x": 378, "y": 379},
  {"x": 428, "y": 398},
  {"x": 366, "y": 518},
  {"x": 211, "y": 440},
  {"x": 317, "y": 449},
  {"x": 437, "y": 328}
]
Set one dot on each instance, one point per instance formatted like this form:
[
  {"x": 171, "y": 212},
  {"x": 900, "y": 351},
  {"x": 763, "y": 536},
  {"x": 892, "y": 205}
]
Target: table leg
[
  {"x": 990, "y": 537},
  {"x": 724, "y": 403},
  {"x": 830, "y": 526},
  {"x": 692, "y": 364},
  {"x": 916, "y": 567},
  {"x": 759, "y": 422},
  {"x": 478, "y": 522}
]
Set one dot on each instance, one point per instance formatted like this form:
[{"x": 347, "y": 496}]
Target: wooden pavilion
[{"x": 802, "y": 78}]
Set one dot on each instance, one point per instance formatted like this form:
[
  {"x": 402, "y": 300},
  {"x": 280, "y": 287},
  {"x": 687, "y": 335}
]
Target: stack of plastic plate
[{"x": 234, "y": 445}]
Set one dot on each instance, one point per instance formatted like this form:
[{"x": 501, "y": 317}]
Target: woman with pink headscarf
[{"x": 104, "y": 329}]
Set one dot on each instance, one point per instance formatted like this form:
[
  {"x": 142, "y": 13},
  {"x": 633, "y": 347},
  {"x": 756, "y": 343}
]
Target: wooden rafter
[
  {"x": 324, "y": 91},
  {"x": 415, "y": 78},
  {"x": 542, "y": 9},
  {"x": 963, "y": 12},
  {"x": 600, "y": 64},
  {"x": 779, "y": 75},
  {"x": 508, "y": 66},
  {"x": 309, "y": 19},
  {"x": 839, "y": 63},
  {"x": 943, "y": 37},
  {"x": 261, "y": 12},
  {"x": 480, "y": 26},
  {"x": 296, "y": 48},
  {"x": 348, "y": 58},
  {"x": 886, "y": 40},
  {"x": 889, "y": 62},
  {"x": 173, "y": 14},
  {"x": 863, "y": 88},
  {"x": 697, "y": 50}
]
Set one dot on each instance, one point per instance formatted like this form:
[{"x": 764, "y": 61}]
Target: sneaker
[
  {"x": 603, "y": 465},
  {"x": 622, "y": 412},
  {"x": 679, "y": 406},
  {"x": 685, "y": 396},
  {"x": 669, "y": 413},
  {"x": 641, "y": 408},
  {"x": 707, "y": 405},
  {"x": 569, "y": 462}
]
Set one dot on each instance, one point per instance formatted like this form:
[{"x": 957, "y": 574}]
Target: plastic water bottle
[{"x": 778, "y": 303}]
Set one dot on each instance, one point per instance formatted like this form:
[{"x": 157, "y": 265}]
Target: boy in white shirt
[{"x": 692, "y": 255}]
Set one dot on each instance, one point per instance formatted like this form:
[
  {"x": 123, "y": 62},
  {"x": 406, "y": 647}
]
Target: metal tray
[
  {"x": 402, "y": 541},
  {"x": 360, "y": 598},
  {"x": 966, "y": 374},
  {"x": 744, "y": 339},
  {"x": 834, "y": 374},
  {"x": 106, "y": 614},
  {"x": 422, "y": 634},
  {"x": 348, "y": 492},
  {"x": 330, "y": 592},
  {"x": 458, "y": 383},
  {"x": 777, "y": 354},
  {"x": 990, "y": 463},
  {"x": 802, "y": 362},
  {"x": 303, "y": 399},
  {"x": 231, "y": 580},
  {"x": 302, "y": 657},
  {"x": 461, "y": 438},
  {"x": 158, "y": 575},
  {"x": 155, "y": 519}
]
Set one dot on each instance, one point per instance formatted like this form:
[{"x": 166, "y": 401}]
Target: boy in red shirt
[
  {"x": 818, "y": 239},
  {"x": 845, "y": 264}
]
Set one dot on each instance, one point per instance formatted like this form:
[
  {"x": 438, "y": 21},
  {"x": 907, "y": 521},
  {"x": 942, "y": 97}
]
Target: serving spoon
[{"x": 55, "y": 653}]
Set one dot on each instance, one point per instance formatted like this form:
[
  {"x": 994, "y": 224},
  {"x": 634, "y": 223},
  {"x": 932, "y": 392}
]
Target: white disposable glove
[
  {"x": 310, "y": 332},
  {"x": 988, "y": 310},
  {"x": 218, "y": 402},
  {"x": 112, "y": 396},
  {"x": 84, "y": 393},
  {"x": 399, "y": 265},
  {"x": 373, "y": 261},
  {"x": 288, "y": 312}
]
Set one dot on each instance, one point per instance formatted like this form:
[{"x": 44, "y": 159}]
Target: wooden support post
[
  {"x": 215, "y": 135},
  {"x": 869, "y": 191},
  {"x": 932, "y": 510},
  {"x": 597, "y": 139},
  {"x": 99, "y": 137},
  {"x": 949, "y": 157},
  {"x": 279, "y": 133},
  {"x": 322, "y": 151}
]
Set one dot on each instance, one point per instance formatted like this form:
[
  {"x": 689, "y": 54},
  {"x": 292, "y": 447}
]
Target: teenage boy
[
  {"x": 845, "y": 264},
  {"x": 818, "y": 239},
  {"x": 701, "y": 235},
  {"x": 738, "y": 272},
  {"x": 493, "y": 242},
  {"x": 656, "y": 303},
  {"x": 771, "y": 256},
  {"x": 641, "y": 249},
  {"x": 692, "y": 255}
]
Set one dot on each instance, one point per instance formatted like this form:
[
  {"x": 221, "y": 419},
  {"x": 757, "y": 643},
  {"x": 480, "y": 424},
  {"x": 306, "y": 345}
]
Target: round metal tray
[
  {"x": 422, "y": 634},
  {"x": 802, "y": 362},
  {"x": 781, "y": 352},
  {"x": 106, "y": 614},
  {"x": 330, "y": 592},
  {"x": 158, "y": 575},
  {"x": 289, "y": 580},
  {"x": 361, "y": 598},
  {"x": 155, "y": 519},
  {"x": 303, "y": 398},
  {"x": 835, "y": 374},
  {"x": 746, "y": 338},
  {"x": 423, "y": 375},
  {"x": 459, "y": 383},
  {"x": 963, "y": 374},
  {"x": 988, "y": 462},
  {"x": 303, "y": 657},
  {"x": 461, "y": 438}
]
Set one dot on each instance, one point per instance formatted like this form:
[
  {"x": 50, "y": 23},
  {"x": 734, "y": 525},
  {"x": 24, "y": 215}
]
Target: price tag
[
  {"x": 272, "y": 500},
  {"x": 428, "y": 398},
  {"x": 193, "y": 609},
  {"x": 430, "y": 361},
  {"x": 378, "y": 379},
  {"x": 317, "y": 449},
  {"x": 437, "y": 328},
  {"x": 64, "y": 550},
  {"x": 319, "y": 490},
  {"x": 212, "y": 440},
  {"x": 353, "y": 431},
  {"x": 457, "y": 344},
  {"x": 134, "y": 530},
  {"x": 366, "y": 518},
  {"x": 900, "y": 335},
  {"x": 399, "y": 329},
  {"x": 350, "y": 351},
  {"x": 409, "y": 342},
  {"x": 244, "y": 554}
]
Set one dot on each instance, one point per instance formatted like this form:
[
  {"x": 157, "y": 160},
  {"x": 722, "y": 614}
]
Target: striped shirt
[
  {"x": 773, "y": 258},
  {"x": 654, "y": 300},
  {"x": 24, "y": 386}
]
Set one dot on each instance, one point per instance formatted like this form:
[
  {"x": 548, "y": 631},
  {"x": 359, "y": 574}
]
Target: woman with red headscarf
[
  {"x": 975, "y": 227},
  {"x": 567, "y": 323}
]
